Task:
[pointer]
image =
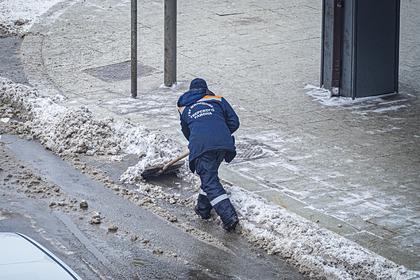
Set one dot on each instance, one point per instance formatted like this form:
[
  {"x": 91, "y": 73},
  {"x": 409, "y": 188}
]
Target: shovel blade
[{"x": 156, "y": 171}]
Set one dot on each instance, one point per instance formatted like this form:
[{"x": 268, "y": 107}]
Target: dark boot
[
  {"x": 227, "y": 214},
  {"x": 231, "y": 224},
  {"x": 203, "y": 207}
]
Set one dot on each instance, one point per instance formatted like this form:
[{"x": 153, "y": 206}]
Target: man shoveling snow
[{"x": 208, "y": 121}]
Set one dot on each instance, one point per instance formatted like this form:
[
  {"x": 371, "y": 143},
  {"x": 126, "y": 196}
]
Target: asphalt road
[{"x": 40, "y": 195}]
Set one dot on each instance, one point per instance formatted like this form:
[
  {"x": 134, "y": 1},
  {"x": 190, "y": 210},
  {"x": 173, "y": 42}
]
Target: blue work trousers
[{"x": 212, "y": 193}]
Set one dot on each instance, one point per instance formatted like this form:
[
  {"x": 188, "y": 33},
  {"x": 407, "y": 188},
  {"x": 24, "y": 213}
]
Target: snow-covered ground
[
  {"x": 314, "y": 250},
  {"x": 373, "y": 104},
  {"x": 17, "y": 16}
]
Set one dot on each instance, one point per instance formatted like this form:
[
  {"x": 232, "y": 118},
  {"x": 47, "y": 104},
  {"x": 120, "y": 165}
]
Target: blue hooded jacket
[{"x": 207, "y": 121}]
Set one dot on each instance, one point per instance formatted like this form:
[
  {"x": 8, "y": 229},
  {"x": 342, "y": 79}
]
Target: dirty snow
[
  {"x": 59, "y": 129},
  {"x": 66, "y": 131},
  {"x": 17, "y": 16},
  {"x": 317, "y": 252},
  {"x": 152, "y": 148}
]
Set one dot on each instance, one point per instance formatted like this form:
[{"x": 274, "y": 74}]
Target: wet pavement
[
  {"x": 331, "y": 164},
  {"x": 10, "y": 62},
  {"x": 161, "y": 250}
]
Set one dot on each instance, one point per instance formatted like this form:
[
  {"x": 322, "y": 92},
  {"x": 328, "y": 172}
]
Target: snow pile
[
  {"x": 153, "y": 149},
  {"x": 66, "y": 131},
  {"x": 59, "y": 129},
  {"x": 191, "y": 178},
  {"x": 17, "y": 16},
  {"x": 317, "y": 252},
  {"x": 75, "y": 131}
]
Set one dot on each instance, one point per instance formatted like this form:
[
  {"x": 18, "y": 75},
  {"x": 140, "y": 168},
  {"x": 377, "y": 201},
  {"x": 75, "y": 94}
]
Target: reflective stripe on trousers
[{"x": 215, "y": 200}]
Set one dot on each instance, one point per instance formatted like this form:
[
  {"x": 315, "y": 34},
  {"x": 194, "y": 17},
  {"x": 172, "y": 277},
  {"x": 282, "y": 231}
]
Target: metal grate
[
  {"x": 119, "y": 71},
  {"x": 248, "y": 149}
]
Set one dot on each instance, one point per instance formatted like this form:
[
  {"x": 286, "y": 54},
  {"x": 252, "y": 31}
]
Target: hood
[
  {"x": 198, "y": 83},
  {"x": 191, "y": 96}
]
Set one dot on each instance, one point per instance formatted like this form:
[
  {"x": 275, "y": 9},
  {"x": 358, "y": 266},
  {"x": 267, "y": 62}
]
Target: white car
[{"x": 22, "y": 258}]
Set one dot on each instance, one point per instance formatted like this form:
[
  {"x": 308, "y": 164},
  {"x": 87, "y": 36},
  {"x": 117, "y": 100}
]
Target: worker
[{"x": 208, "y": 122}]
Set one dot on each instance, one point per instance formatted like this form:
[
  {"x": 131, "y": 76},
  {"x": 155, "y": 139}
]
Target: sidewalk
[{"x": 354, "y": 169}]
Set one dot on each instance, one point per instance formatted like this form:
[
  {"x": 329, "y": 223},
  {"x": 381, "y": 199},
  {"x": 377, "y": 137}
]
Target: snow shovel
[{"x": 168, "y": 168}]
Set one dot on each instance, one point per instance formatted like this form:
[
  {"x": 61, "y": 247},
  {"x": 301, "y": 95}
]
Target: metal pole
[
  {"x": 170, "y": 42},
  {"x": 337, "y": 45},
  {"x": 134, "y": 48},
  {"x": 322, "y": 44}
]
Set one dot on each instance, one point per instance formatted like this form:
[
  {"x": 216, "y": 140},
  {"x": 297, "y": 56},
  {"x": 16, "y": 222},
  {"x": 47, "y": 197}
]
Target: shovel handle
[{"x": 183, "y": 155}]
